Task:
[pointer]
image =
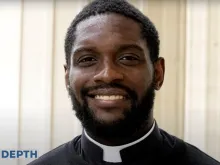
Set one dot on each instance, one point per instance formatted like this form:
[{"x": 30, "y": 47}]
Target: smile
[{"x": 109, "y": 97}]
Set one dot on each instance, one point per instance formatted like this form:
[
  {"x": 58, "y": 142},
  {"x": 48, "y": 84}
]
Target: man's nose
[{"x": 108, "y": 73}]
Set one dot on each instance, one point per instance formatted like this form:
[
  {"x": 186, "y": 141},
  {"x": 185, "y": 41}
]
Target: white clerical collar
[{"x": 112, "y": 153}]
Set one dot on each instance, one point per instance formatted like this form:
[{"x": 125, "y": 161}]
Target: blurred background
[{"x": 35, "y": 111}]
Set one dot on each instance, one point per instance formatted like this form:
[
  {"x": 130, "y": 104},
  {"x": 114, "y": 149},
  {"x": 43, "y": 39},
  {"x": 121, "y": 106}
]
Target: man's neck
[{"x": 116, "y": 141}]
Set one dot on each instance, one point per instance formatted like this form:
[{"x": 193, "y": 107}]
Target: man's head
[{"x": 112, "y": 68}]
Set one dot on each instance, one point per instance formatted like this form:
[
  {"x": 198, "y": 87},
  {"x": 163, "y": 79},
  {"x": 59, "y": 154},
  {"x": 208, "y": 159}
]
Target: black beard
[{"x": 134, "y": 119}]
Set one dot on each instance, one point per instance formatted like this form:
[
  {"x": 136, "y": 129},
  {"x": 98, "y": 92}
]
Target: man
[{"x": 112, "y": 71}]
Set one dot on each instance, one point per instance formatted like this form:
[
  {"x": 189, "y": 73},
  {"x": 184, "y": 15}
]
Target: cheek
[
  {"x": 77, "y": 82},
  {"x": 140, "y": 81}
]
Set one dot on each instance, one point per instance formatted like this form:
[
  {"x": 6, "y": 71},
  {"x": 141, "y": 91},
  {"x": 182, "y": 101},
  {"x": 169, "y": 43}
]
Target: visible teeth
[{"x": 111, "y": 97}]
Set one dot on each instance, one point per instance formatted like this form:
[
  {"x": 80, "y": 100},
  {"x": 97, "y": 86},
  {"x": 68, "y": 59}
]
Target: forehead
[{"x": 109, "y": 26}]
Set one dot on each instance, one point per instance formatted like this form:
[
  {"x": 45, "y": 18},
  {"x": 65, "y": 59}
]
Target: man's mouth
[
  {"x": 108, "y": 94},
  {"x": 109, "y": 97}
]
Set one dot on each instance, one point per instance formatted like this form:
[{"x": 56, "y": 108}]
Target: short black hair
[{"x": 122, "y": 7}]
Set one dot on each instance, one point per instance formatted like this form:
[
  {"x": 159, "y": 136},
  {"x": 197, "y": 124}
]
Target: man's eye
[
  {"x": 86, "y": 61},
  {"x": 129, "y": 60}
]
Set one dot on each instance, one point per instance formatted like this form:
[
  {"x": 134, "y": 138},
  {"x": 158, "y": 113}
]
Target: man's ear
[
  {"x": 66, "y": 69},
  {"x": 159, "y": 71}
]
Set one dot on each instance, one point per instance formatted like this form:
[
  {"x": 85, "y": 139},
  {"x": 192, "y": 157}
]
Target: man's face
[{"x": 110, "y": 76}]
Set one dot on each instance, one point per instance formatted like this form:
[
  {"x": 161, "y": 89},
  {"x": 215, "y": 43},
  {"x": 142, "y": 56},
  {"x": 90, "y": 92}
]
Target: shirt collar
[
  {"x": 112, "y": 153},
  {"x": 146, "y": 148}
]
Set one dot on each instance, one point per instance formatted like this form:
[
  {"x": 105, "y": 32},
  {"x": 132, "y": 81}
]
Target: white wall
[
  {"x": 202, "y": 92},
  {"x": 10, "y": 47}
]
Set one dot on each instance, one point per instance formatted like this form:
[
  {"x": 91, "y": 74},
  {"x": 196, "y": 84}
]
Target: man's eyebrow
[
  {"x": 84, "y": 49},
  {"x": 129, "y": 46},
  {"x": 119, "y": 48}
]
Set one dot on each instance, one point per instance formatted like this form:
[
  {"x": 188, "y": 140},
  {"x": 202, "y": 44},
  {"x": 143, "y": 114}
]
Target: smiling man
[{"x": 112, "y": 71}]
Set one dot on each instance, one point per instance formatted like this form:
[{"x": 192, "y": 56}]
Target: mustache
[{"x": 131, "y": 93}]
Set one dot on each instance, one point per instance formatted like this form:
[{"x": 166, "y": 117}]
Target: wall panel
[
  {"x": 169, "y": 18},
  {"x": 36, "y": 76},
  {"x": 10, "y": 16}
]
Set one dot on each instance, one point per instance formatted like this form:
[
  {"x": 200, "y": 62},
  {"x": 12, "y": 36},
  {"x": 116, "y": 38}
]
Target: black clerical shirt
[{"x": 158, "y": 148}]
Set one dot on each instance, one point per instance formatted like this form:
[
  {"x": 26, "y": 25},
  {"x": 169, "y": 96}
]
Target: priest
[{"x": 112, "y": 70}]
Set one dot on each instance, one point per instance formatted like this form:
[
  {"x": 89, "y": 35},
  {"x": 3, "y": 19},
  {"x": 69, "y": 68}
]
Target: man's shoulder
[
  {"x": 62, "y": 154},
  {"x": 195, "y": 155},
  {"x": 187, "y": 153}
]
